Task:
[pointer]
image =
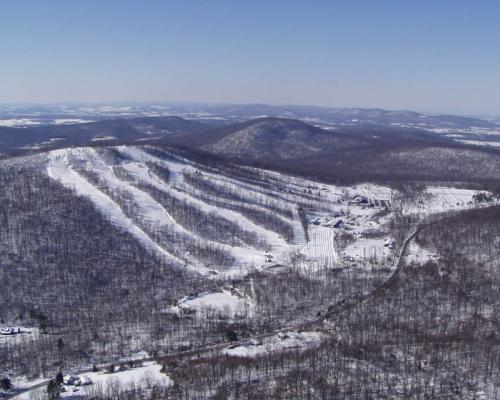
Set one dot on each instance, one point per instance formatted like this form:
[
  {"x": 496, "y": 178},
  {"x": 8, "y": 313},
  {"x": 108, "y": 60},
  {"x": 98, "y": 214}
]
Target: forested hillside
[{"x": 121, "y": 261}]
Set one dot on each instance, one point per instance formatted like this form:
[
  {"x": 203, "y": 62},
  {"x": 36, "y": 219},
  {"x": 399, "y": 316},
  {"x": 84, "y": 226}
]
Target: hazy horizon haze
[{"x": 429, "y": 56}]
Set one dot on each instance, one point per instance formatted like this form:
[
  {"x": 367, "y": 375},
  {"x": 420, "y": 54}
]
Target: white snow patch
[
  {"x": 70, "y": 121},
  {"x": 103, "y": 138},
  {"x": 223, "y": 302},
  {"x": 144, "y": 377},
  {"x": 17, "y": 122},
  {"x": 280, "y": 342},
  {"x": 418, "y": 255},
  {"x": 366, "y": 250},
  {"x": 481, "y": 143},
  {"x": 320, "y": 250}
]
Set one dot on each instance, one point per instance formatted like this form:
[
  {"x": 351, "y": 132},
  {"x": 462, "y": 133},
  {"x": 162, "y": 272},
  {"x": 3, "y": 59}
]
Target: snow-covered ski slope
[{"x": 226, "y": 219}]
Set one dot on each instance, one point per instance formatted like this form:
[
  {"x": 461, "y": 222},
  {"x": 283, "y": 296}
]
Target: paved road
[
  {"x": 399, "y": 262},
  {"x": 317, "y": 322}
]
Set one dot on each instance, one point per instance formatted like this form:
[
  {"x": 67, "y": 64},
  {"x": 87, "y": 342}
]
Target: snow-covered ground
[
  {"x": 15, "y": 122},
  {"x": 224, "y": 302},
  {"x": 321, "y": 250},
  {"x": 20, "y": 122},
  {"x": 64, "y": 164},
  {"x": 138, "y": 170},
  {"x": 69, "y": 121},
  {"x": 145, "y": 376},
  {"x": 372, "y": 251},
  {"x": 280, "y": 342},
  {"x": 419, "y": 255},
  {"x": 59, "y": 168},
  {"x": 13, "y": 334},
  {"x": 358, "y": 212},
  {"x": 22, "y": 383},
  {"x": 444, "y": 198},
  {"x": 101, "y": 138},
  {"x": 148, "y": 375},
  {"x": 466, "y": 131},
  {"x": 177, "y": 169},
  {"x": 438, "y": 199},
  {"x": 481, "y": 143}
]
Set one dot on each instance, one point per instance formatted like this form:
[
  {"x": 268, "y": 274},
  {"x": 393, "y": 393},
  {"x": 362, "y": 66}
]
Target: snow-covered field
[
  {"x": 419, "y": 255},
  {"x": 20, "y": 122},
  {"x": 374, "y": 251},
  {"x": 466, "y": 131},
  {"x": 320, "y": 250},
  {"x": 280, "y": 342},
  {"x": 103, "y": 138},
  {"x": 444, "y": 198},
  {"x": 69, "y": 121},
  {"x": 481, "y": 143},
  {"x": 438, "y": 199},
  {"x": 146, "y": 376},
  {"x": 224, "y": 302},
  {"x": 14, "y": 334},
  {"x": 59, "y": 168},
  {"x": 360, "y": 212},
  {"x": 64, "y": 165},
  {"x": 15, "y": 122}
]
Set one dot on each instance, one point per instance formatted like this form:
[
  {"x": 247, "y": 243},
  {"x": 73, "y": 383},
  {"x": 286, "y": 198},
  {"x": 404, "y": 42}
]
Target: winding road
[{"x": 317, "y": 322}]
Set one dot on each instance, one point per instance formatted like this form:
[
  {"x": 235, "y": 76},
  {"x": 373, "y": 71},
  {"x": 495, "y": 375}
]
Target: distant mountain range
[
  {"x": 340, "y": 116},
  {"x": 326, "y": 143},
  {"x": 244, "y": 112},
  {"x": 347, "y": 153},
  {"x": 117, "y": 130}
]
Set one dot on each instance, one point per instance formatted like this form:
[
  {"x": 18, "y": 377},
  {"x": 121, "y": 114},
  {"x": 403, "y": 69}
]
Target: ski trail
[
  {"x": 176, "y": 169},
  {"x": 59, "y": 168},
  {"x": 321, "y": 247},
  {"x": 152, "y": 212}
]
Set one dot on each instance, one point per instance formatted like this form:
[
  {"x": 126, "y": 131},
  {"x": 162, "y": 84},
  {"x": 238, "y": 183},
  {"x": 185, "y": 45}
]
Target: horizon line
[{"x": 229, "y": 103}]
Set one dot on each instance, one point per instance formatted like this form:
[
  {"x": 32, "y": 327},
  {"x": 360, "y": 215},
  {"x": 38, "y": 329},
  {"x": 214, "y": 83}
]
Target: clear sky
[{"x": 439, "y": 55}]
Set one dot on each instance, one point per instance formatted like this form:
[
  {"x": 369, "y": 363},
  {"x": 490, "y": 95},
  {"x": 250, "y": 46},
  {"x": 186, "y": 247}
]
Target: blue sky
[{"x": 441, "y": 55}]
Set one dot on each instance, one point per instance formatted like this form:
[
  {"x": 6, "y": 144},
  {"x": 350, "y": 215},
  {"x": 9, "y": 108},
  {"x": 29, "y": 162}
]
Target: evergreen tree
[
  {"x": 53, "y": 390},
  {"x": 5, "y": 383},
  {"x": 59, "y": 378}
]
